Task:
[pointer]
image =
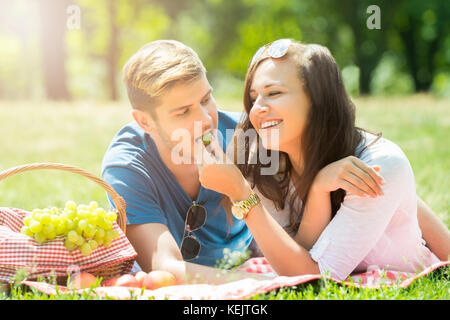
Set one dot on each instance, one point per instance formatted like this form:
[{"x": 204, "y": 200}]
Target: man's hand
[
  {"x": 158, "y": 250},
  {"x": 155, "y": 246}
]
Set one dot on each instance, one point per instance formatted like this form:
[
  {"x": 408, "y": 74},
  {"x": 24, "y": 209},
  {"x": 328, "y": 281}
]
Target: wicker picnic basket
[{"x": 15, "y": 247}]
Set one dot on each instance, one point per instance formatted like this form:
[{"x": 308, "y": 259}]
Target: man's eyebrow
[
  {"x": 180, "y": 108},
  {"x": 190, "y": 105},
  {"x": 208, "y": 93}
]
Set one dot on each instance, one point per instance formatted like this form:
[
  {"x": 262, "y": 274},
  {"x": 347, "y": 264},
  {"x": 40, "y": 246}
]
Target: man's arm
[
  {"x": 158, "y": 250},
  {"x": 434, "y": 231}
]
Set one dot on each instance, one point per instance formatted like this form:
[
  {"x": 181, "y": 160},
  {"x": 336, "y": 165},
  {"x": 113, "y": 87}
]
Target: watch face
[{"x": 238, "y": 213}]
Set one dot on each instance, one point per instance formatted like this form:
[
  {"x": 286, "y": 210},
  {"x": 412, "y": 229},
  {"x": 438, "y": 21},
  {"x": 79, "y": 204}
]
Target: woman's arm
[
  {"x": 317, "y": 213},
  {"x": 285, "y": 255},
  {"x": 434, "y": 232},
  {"x": 316, "y": 216},
  {"x": 349, "y": 174}
]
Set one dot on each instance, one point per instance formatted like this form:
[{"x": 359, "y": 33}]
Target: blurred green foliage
[{"x": 409, "y": 53}]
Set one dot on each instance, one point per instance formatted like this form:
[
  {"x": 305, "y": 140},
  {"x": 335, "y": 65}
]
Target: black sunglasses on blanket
[{"x": 195, "y": 219}]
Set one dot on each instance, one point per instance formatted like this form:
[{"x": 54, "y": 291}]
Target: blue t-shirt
[{"x": 133, "y": 167}]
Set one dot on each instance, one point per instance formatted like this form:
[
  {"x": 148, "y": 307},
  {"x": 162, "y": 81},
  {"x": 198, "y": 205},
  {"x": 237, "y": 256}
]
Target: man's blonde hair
[{"x": 156, "y": 67}]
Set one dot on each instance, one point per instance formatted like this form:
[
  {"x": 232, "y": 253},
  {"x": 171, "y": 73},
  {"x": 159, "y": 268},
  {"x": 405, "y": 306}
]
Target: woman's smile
[{"x": 267, "y": 124}]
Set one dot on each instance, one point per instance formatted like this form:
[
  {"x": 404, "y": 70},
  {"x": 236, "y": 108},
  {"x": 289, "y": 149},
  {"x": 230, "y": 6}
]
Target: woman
[{"x": 295, "y": 91}]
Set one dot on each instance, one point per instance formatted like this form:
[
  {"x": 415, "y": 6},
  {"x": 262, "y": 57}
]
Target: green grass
[
  {"x": 79, "y": 133},
  {"x": 434, "y": 286}
]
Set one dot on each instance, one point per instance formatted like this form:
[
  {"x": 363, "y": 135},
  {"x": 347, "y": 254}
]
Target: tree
[
  {"x": 423, "y": 28},
  {"x": 369, "y": 44},
  {"x": 113, "y": 50},
  {"x": 53, "y": 29}
]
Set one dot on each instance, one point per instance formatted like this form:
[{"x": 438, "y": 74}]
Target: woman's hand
[
  {"x": 219, "y": 173},
  {"x": 352, "y": 175}
]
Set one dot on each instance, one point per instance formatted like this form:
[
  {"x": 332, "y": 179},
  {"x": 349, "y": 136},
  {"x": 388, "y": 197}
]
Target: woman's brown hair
[{"x": 330, "y": 133}]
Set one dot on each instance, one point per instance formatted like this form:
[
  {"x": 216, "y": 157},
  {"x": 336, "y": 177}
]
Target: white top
[
  {"x": 281, "y": 216},
  {"x": 381, "y": 232}
]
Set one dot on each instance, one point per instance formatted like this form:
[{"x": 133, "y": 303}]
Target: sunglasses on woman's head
[
  {"x": 276, "y": 49},
  {"x": 195, "y": 219}
]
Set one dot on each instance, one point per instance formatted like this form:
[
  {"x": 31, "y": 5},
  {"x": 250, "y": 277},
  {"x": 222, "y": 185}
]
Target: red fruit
[
  {"x": 140, "y": 276},
  {"x": 127, "y": 280},
  {"x": 110, "y": 282},
  {"x": 82, "y": 280},
  {"x": 157, "y": 279}
]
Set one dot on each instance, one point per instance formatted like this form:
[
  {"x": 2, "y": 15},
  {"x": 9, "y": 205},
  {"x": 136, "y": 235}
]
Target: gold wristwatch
[{"x": 241, "y": 209}]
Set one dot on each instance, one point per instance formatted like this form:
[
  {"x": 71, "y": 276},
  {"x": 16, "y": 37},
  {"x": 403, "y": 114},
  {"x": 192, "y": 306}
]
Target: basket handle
[{"x": 118, "y": 200}]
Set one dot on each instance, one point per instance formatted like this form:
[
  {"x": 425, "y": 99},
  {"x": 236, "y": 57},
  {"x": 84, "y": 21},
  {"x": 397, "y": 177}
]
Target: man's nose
[{"x": 206, "y": 118}]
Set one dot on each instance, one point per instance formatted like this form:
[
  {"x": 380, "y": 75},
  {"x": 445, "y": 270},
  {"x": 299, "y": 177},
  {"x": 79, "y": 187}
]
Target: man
[{"x": 168, "y": 90}]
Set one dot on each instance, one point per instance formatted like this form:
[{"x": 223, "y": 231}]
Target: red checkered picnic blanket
[
  {"x": 246, "y": 288},
  {"x": 18, "y": 251},
  {"x": 372, "y": 278}
]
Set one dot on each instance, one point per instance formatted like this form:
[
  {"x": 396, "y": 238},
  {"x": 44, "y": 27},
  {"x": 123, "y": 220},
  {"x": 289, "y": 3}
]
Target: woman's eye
[
  {"x": 185, "y": 111},
  {"x": 274, "y": 93}
]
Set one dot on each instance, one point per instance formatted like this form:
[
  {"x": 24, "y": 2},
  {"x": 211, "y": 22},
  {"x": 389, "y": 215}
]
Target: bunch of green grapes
[{"x": 85, "y": 227}]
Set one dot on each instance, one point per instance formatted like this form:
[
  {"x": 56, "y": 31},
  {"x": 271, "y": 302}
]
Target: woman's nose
[{"x": 260, "y": 106}]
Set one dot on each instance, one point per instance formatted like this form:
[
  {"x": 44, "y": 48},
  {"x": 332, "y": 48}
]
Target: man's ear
[{"x": 144, "y": 120}]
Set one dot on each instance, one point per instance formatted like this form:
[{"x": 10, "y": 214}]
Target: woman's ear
[{"x": 144, "y": 120}]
